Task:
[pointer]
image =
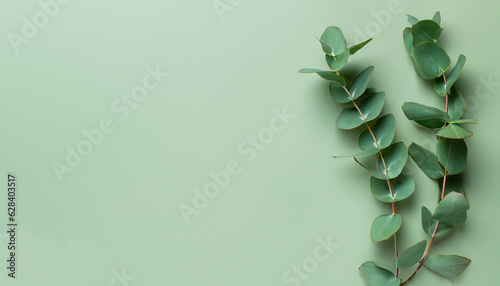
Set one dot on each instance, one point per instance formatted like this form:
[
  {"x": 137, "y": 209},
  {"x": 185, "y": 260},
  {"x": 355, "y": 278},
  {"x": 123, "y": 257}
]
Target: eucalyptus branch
[
  {"x": 431, "y": 62},
  {"x": 387, "y": 182}
]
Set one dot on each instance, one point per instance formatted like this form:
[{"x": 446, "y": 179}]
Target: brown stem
[{"x": 444, "y": 184}]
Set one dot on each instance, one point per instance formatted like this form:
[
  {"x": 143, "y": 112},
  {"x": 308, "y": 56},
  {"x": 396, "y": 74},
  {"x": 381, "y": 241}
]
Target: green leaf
[
  {"x": 456, "y": 104},
  {"x": 363, "y": 153},
  {"x": 429, "y": 225},
  {"x": 402, "y": 187},
  {"x": 454, "y": 131},
  {"x": 333, "y": 41},
  {"x": 360, "y": 82},
  {"x": 337, "y": 62},
  {"x": 425, "y": 31},
  {"x": 451, "y": 208},
  {"x": 421, "y": 73},
  {"x": 378, "y": 276},
  {"x": 449, "y": 266},
  {"x": 370, "y": 108},
  {"x": 437, "y": 18},
  {"x": 392, "y": 160},
  {"x": 328, "y": 75},
  {"x": 424, "y": 115},
  {"x": 408, "y": 40},
  {"x": 385, "y": 226},
  {"x": 383, "y": 130},
  {"x": 451, "y": 78},
  {"x": 453, "y": 184},
  {"x": 355, "y": 48},
  {"x": 411, "y": 255},
  {"x": 426, "y": 161},
  {"x": 465, "y": 121},
  {"x": 339, "y": 92},
  {"x": 452, "y": 154},
  {"x": 412, "y": 20},
  {"x": 431, "y": 58}
]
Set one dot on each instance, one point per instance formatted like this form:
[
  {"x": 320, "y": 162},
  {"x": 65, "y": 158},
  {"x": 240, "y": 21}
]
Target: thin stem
[
  {"x": 354, "y": 102},
  {"x": 373, "y": 135},
  {"x": 396, "y": 246},
  {"x": 444, "y": 184}
]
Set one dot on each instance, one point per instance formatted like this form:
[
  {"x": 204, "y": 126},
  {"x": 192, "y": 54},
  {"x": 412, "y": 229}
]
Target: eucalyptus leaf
[
  {"x": 411, "y": 19},
  {"x": 402, "y": 187},
  {"x": 454, "y": 131},
  {"x": 437, "y": 18},
  {"x": 337, "y": 62},
  {"x": 439, "y": 83},
  {"x": 360, "y": 82},
  {"x": 364, "y": 153},
  {"x": 333, "y": 41},
  {"x": 431, "y": 58},
  {"x": 424, "y": 115},
  {"x": 392, "y": 160},
  {"x": 456, "y": 104},
  {"x": 370, "y": 108},
  {"x": 339, "y": 92},
  {"x": 383, "y": 131},
  {"x": 449, "y": 266},
  {"x": 420, "y": 72},
  {"x": 465, "y": 121},
  {"x": 328, "y": 75},
  {"x": 378, "y": 276},
  {"x": 385, "y": 226},
  {"x": 355, "y": 48},
  {"x": 411, "y": 255},
  {"x": 429, "y": 225},
  {"x": 408, "y": 40},
  {"x": 425, "y": 31},
  {"x": 426, "y": 161},
  {"x": 452, "y": 154},
  {"x": 451, "y": 208}
]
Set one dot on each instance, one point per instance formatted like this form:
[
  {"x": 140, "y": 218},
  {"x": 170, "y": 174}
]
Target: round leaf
[
  {"x": 378, "y": 276},
  {"x": 451, "y": 208},
  {"x": 425, "y": 31},
  {"x": 385, "y": 226},
  {"x": 392, "y": 160},
  {"x": 431, "y": 58},
  {"x": 370, "y": 108},
  {"x": 412, "y": 255},
  {"x": 421, "y": 73},
  {"x": 449, "y": 266},
  {"x": 402, "y": 187},
  {"x": 333, "y": 41},
  {"x": 452, "y": 154},
  {"x": 383, "y": 130},
  {"x": 337, "y": 62}
]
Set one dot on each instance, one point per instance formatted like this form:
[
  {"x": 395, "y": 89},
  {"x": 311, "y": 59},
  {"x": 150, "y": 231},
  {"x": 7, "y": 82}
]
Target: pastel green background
[{"x": 119, "y": 209}]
